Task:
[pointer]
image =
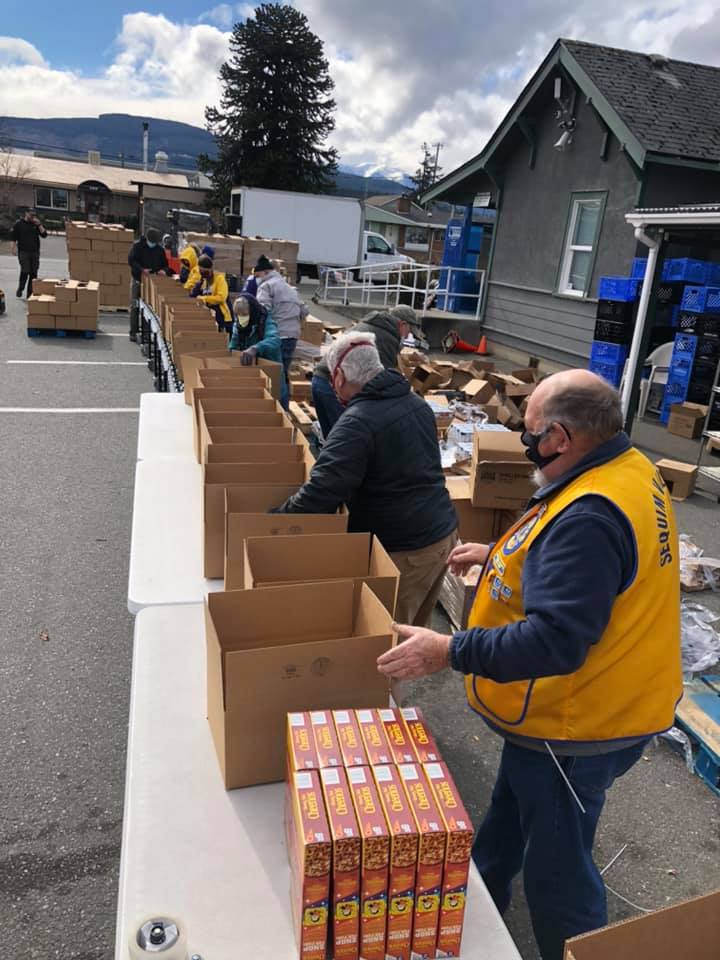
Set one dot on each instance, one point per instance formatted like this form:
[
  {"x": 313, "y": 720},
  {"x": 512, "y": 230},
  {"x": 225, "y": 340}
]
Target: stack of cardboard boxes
[
  {"x": 228, "y": 251},
  {"x": 238, "y": 255},
  {"x": 378, "y": 838},
  {"x": 63, "y": 305},
  {"x": 99, "y": 252}
]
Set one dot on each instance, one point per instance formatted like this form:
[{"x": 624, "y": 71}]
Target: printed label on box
[
  {"x": 301, "y": 743},
  {"x": 373, "y": 734},
  {"x": 349, "y": 738},
  {"x": 397, "y": 736},
  {"x": 423, "y": 743},
  {"x": 326, "y": 741}
]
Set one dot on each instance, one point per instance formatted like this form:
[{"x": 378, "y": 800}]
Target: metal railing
[{"x": 425, "y": 287}]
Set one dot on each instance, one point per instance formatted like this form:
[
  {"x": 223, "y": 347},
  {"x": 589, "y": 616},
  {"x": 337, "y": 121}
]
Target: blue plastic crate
[
  {"x": 666, "y": 268},
  {"x": 681, "y": 368},
  {"x": 612, "y": 372},
  {"x": 713, "y": 273},
  {"x": 684, "y": 346},
  {"x": 694, "y": 271},
  {"x": 639, "y": 265},
  {"x": 694, "y": 298},
  {"x": 675, "y": 392},
  {"x": 618, "y": 288},
  {"x": 712, "y": 299},
  {"x": 607, "y": 352}
]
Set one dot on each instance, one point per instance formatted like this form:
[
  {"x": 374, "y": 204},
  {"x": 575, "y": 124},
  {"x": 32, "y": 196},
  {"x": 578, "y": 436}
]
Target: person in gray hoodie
[{"x": 285, "y": 306}]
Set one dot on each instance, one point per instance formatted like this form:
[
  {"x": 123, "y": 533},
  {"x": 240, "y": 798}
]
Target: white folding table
[
  {"x": 166, "y": 547},
  {"x": 212, "y": 859},
  {"x": 165, "y": 428}
]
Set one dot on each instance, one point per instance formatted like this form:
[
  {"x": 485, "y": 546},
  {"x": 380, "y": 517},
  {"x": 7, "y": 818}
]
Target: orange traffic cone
[{"x": 482, "y": 349}]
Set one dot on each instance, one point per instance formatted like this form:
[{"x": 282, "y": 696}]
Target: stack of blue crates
[
  {"x": 607, "y": 359},
  {"x": 681, "y": 365}
]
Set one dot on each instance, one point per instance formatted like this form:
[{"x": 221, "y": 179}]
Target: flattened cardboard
[
  {"x": 246, "y": 515},
  {"x": 500, "y": 472},
  {"x": 679, "y": 477},
  {"x": 218, "y": 476},
  {"x": 263, "y": 663},
  {"x": 359, "y": 557}
]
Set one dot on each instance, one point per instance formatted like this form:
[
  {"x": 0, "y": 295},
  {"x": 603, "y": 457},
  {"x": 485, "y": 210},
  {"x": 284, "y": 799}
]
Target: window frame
[
  {"x": 52, "y": 205},
  {"x": 577, "y": 197}
]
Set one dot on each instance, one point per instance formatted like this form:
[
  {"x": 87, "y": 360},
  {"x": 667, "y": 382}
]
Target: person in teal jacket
[{"x": 255, "y": 334}]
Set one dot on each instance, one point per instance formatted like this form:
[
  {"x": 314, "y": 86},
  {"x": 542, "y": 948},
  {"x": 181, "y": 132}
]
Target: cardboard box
[
  {"x": 432, "y": 848},
  {"x": 196, "y": 377},
  {"x": 67, "y": 290},
  {"x": 41, "y": 321},
  {"x": 425, "y": 377},
  {"x": 301, "y": 390},
  {"x": 457, "y": 858},
  {"x": 204, "y": 402},
  {"x": 87, "y": 301},
  {"x": 301, "y": 752},
  {"x": 254, "y": 453},
  {"x": 309, "y": 852},
  {"x": 42, "y": 305},
  {"x": 191, "y": 342},
  {"x": 312, "y": 331},
  {"x": 218, "y": 476},
  {"x": 500, "y": 473},
  {"x": 373, "y": 735},
  {"x": 403, "y": 860},
  {"x": 679, "y": 477},
  {"x": 690, "y": 929},
  {"x": 239, "y": 419},
  {"x": 44, "y": 287},
  {"x": 475, "y": 524},
  {"x": 347, "y": 845},
  {"x": 423, "y": 742},
  {"x": 62, "y": 308},
  {"x": 349, "y": 738},
  {"x": 281, "y": 650},
  {"x": 479, "y": 391},
  {"x": 246, "y": 515},
  {"x": 221, "y": 360},
  {"x": 327, "y": 747},
  {"x": 686, "y": 419},
  {"x": 358, "y": 557},
  {"x": 397, "y": 736},
  {"x": 374, "y": 863}
]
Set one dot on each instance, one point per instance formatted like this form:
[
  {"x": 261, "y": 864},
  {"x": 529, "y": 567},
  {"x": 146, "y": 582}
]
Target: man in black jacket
[
  {"x": 382, "y": 459},
  {"x": 26, "y": 235},
  {"x": 146, "y": 256}
]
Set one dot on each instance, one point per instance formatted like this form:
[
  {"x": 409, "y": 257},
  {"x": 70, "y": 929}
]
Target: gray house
[{"x": 596, "y": 133}]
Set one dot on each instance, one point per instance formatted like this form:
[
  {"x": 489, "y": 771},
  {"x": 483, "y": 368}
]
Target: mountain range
[{"x": 118, "y": 138}]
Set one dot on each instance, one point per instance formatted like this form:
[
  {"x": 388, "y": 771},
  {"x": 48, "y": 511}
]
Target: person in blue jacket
[{"x": 255, "y": 334}]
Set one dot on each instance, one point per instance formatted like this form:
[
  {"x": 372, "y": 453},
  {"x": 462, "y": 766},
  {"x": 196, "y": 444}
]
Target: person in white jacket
[{"x": 286, "y": 307}]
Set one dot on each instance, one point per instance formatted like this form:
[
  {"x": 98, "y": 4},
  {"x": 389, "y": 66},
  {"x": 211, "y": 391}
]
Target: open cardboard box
[
  {"x": 246, "y": 515},
  {"x": 686, "y": 930},
  {"x": 207, "y": 400},
  {"x": 191, "y": 342},
  {"x": 222, "y": 360},
  {"x": 679, "y": 477},
  {"x": 477, "y": 524},
  {"x": 197, "y": 377},
  {"x": 686, "y": 419},
  {"x": 262, "y": 452},
  {"x": 500, "y": 475},
  {"x": 359, "y": 557},
  {"x": 310, "y": 646},
  {"x": 218, "y": 476},
  {"x": 239, "y": 419}
]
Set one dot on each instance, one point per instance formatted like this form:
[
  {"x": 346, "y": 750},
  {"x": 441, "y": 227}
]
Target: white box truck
[{"x": 329, "y": 229}]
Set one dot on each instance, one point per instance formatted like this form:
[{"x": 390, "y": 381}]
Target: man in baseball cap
[{"x": 407, "y": 321}]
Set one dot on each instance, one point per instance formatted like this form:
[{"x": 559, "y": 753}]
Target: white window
[
  {"x": 51, "y": 199},
  {"x": 580, "y": 244}
]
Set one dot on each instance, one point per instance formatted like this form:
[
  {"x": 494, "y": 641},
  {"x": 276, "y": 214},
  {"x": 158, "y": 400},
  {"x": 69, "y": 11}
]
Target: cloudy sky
[{"x": 405, "y": 72}]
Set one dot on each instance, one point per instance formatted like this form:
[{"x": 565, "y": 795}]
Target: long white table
[
  {"x": 166, "y": 546},
  {"x": 214, "y": 860},
  {"x": 165, "y": 427}
]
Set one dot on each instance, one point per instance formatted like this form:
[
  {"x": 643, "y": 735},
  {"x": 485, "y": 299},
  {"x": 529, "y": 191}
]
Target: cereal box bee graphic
[
  {"x": 454, "y": 899},
  {"x": 314, "y": 915},
  {"x": 346, "y": 909},
  {"x": 401, "y": 905},
  {"x": 377, "y": 907},
  {"x": 427, "y": 902}
]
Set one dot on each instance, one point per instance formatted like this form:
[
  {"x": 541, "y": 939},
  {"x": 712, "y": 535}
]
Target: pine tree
[
  {"x": 426, "y": 174},
  {"x": 276, "y": 109}
]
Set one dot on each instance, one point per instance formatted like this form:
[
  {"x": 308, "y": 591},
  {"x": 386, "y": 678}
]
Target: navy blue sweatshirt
[{"x": 573, "y": 573}]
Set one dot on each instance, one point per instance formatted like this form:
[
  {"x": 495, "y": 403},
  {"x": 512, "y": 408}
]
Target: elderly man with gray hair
[
  {"x": 572, "y": 652},
  {"x": 382, "y": 459}
]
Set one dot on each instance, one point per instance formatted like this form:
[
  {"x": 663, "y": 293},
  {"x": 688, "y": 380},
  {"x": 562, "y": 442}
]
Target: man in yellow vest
[{"x": 572, "y": 652}]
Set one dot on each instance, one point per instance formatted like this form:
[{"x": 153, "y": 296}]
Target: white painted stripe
[
  {"x": 104, "y": 333},
  {"x": 69, "y": 409},
  {"x": 88, "y": 363}
]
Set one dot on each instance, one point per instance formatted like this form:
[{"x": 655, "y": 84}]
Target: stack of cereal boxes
[
  {"x": 100, "y": 252},
  {"x": 378, "y": 839}
]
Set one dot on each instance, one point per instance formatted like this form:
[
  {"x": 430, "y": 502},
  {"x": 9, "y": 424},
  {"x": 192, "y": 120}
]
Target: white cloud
[{"x": 405, "y": 73}]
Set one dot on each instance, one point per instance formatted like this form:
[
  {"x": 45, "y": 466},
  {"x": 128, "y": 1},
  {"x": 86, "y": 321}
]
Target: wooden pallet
[
  {"x": 53, "y": 332},
  {"x": 698, "y": 714},
  {"x": 302, "y": 415}
]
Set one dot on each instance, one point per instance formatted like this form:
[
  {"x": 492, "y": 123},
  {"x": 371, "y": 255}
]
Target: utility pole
[{"x": 438, "y": 148}]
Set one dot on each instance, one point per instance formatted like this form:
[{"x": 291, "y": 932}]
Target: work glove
[{"x": 247, "y": 357}]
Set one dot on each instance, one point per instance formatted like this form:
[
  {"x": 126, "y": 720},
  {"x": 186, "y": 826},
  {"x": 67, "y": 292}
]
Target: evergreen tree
[
  {"x": 276, "y": 109},
  {"x": 426, "y": 174}
]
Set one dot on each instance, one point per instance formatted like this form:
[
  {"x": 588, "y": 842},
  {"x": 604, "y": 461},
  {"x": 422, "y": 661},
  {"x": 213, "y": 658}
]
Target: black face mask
[{"x": 532, "y": 441}]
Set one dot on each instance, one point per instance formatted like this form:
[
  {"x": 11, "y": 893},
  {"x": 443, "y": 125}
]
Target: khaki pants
[{"x": 421, "y": 575}]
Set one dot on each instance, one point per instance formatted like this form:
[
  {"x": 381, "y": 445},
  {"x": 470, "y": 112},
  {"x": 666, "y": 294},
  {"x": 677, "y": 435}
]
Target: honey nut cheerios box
[
  {"x": 375, "y": 862},
  {"x": 327, "y": 747},
  {"x": 403, "y": 861},
  {"x": 431, "y": 859},
  {"x": 349, "y": 738},
  {"x": 423, "y": 742},
  {"x": 397, "y": 735},
  {"x": 301, "y": 752},
  {"x": 346, "y": 849},
  {"x": 457, "y": 858},
  {"x": 310, "y": 851},
  {"x": 373, "y": 733}
]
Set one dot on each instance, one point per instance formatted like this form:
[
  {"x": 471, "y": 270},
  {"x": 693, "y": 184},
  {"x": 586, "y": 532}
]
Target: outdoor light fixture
[
  {"x": 566, "y": 137},
  {"x": 564, "y": 116}
]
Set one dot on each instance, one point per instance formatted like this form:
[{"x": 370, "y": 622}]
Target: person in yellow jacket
[
  {"x": 572, "y": 652},
  {"x": 212, "y": 290},
  {"x": 189, "y": 272}
]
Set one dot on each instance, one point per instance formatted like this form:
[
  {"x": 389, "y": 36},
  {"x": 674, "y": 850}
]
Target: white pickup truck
[{"x": 329, "y": 230}]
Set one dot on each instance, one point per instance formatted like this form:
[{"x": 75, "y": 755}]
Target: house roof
[
  {"x": 693, "y": 214},
  {"x": 660, "y": 110},
  {"x": 71, "y": 173},
  {"x": 415, "y": 216}
]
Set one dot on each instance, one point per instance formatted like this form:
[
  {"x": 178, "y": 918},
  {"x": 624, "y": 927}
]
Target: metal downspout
[{"x": 653, "y": 246}]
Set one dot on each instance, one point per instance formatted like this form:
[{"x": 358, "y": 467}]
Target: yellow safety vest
[{"x": 631, "y": 680}]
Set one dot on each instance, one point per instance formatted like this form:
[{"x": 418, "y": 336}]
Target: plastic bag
[
  {"x": 700, "y": 641},
  {"x": 675, "y": 735},
  {"x": 696, "y": 571}
]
